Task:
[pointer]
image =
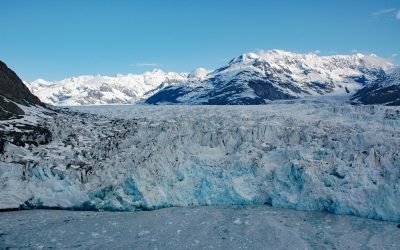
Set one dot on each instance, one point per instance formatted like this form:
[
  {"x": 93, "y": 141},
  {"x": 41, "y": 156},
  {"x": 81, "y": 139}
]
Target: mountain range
[
  {"x": 119, "y": 89},
  {"x": 251, "y": 78}
]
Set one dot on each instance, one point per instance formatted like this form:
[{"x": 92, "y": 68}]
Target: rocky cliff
[{"x": 12, "y": 92}]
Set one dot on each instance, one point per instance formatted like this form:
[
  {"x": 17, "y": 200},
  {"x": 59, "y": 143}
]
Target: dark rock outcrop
[
  {"x": 12, "y": 92},
  {"x": 9, "y": 109},
  {"x": 25, "y": 135},
  {"x": 385, "y": 91},
  {"x": 389, "y": 96}
]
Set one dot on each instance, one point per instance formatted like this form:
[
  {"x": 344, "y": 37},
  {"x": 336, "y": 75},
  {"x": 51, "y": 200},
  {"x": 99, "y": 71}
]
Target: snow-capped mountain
[
  {"x": 386, "y": 91},
  {"x": 99, "y": 89},
  {"x": 256, "y": 78},
  {"x": 252, "y": 78}
]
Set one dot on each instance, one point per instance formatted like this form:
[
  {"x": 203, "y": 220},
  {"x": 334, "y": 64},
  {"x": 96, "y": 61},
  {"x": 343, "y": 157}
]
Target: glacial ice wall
[{"x": 311, "y": 156}]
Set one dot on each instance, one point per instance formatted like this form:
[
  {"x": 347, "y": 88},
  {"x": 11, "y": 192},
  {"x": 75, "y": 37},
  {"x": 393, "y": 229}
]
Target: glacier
[{"x": 304, "y": 155}]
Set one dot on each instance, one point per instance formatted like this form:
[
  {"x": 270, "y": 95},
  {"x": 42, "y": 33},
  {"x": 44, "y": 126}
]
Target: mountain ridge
[
  {"x": 99, "y": 89},
  {"x": 257, "y": 78},
  {"x": 251, "y": 78},
  {"x": 385, "y": 91}
]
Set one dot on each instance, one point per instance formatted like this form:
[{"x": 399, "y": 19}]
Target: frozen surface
[
  {"x": 306, "y": 156},
  {"x": 249, "y": 227}
]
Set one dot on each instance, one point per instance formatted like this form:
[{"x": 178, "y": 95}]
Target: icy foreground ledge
[
  {"x": 337, "y": 158},
  {"x": 260, "y": 227}
]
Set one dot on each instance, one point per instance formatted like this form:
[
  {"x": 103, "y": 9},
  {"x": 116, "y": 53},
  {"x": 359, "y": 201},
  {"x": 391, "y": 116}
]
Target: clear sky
[{"x": 54, "y": 39}]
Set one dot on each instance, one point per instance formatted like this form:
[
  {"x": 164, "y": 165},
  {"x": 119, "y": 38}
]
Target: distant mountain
[
  {"x": 256, "y": 78},
  {"x": 252, "y": 78},
  {"x": 121, "y": 89},
  {"x": 385, "y": 91},
  {"x": 13, "y": 92}
]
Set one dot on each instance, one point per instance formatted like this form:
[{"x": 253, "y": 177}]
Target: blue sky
[{"x": 58, "y": 39}]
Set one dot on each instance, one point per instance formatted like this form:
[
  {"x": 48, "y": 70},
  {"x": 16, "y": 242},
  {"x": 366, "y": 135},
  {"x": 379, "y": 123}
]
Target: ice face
[{"x": 312, "y": 156}]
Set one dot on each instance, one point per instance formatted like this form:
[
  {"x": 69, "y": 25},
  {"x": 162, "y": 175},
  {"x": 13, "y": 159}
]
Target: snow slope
[
  {"x": 256, "y": 78},
  {"x": 386, "y": 91},
  {"x": 307, "y": 156},
  {"x": 99, "y": 89}
]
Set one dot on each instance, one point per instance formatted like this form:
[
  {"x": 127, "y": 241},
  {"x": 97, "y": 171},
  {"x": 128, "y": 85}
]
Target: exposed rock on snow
[
  {"x": 385, "y": 91},
  {"x": 122, "y": 89},
  {"x": 256, "y": 78},
  {"x": 14, "y": 99},
  {"x": 252, "y": 78},
  {"x": 338, "y": 158}
]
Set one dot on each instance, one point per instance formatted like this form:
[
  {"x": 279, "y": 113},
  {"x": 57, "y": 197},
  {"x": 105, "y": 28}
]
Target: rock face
[
  {"x": 8, "y": 109},
  {"x": 21, "y": 129},
  {"x": 386, "y": 91},
  {"x": 275, "y": 75},
  {"x": 12, "y": 91}
]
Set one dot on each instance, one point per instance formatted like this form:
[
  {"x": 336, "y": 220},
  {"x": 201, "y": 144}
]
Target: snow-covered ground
[
  {"x": 301, "y": 155},
  {"x": 248, "y": 227}
]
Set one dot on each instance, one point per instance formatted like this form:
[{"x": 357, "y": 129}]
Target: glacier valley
[{"x": 303, "y": 155}]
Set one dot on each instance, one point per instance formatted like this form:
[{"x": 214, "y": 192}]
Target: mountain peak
[
  {"x": 284, "y": 58},
  {"x": 199, "y": 73},
  {"x": 157, "y": 70},
  {"x": 255, "y": 78}
]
